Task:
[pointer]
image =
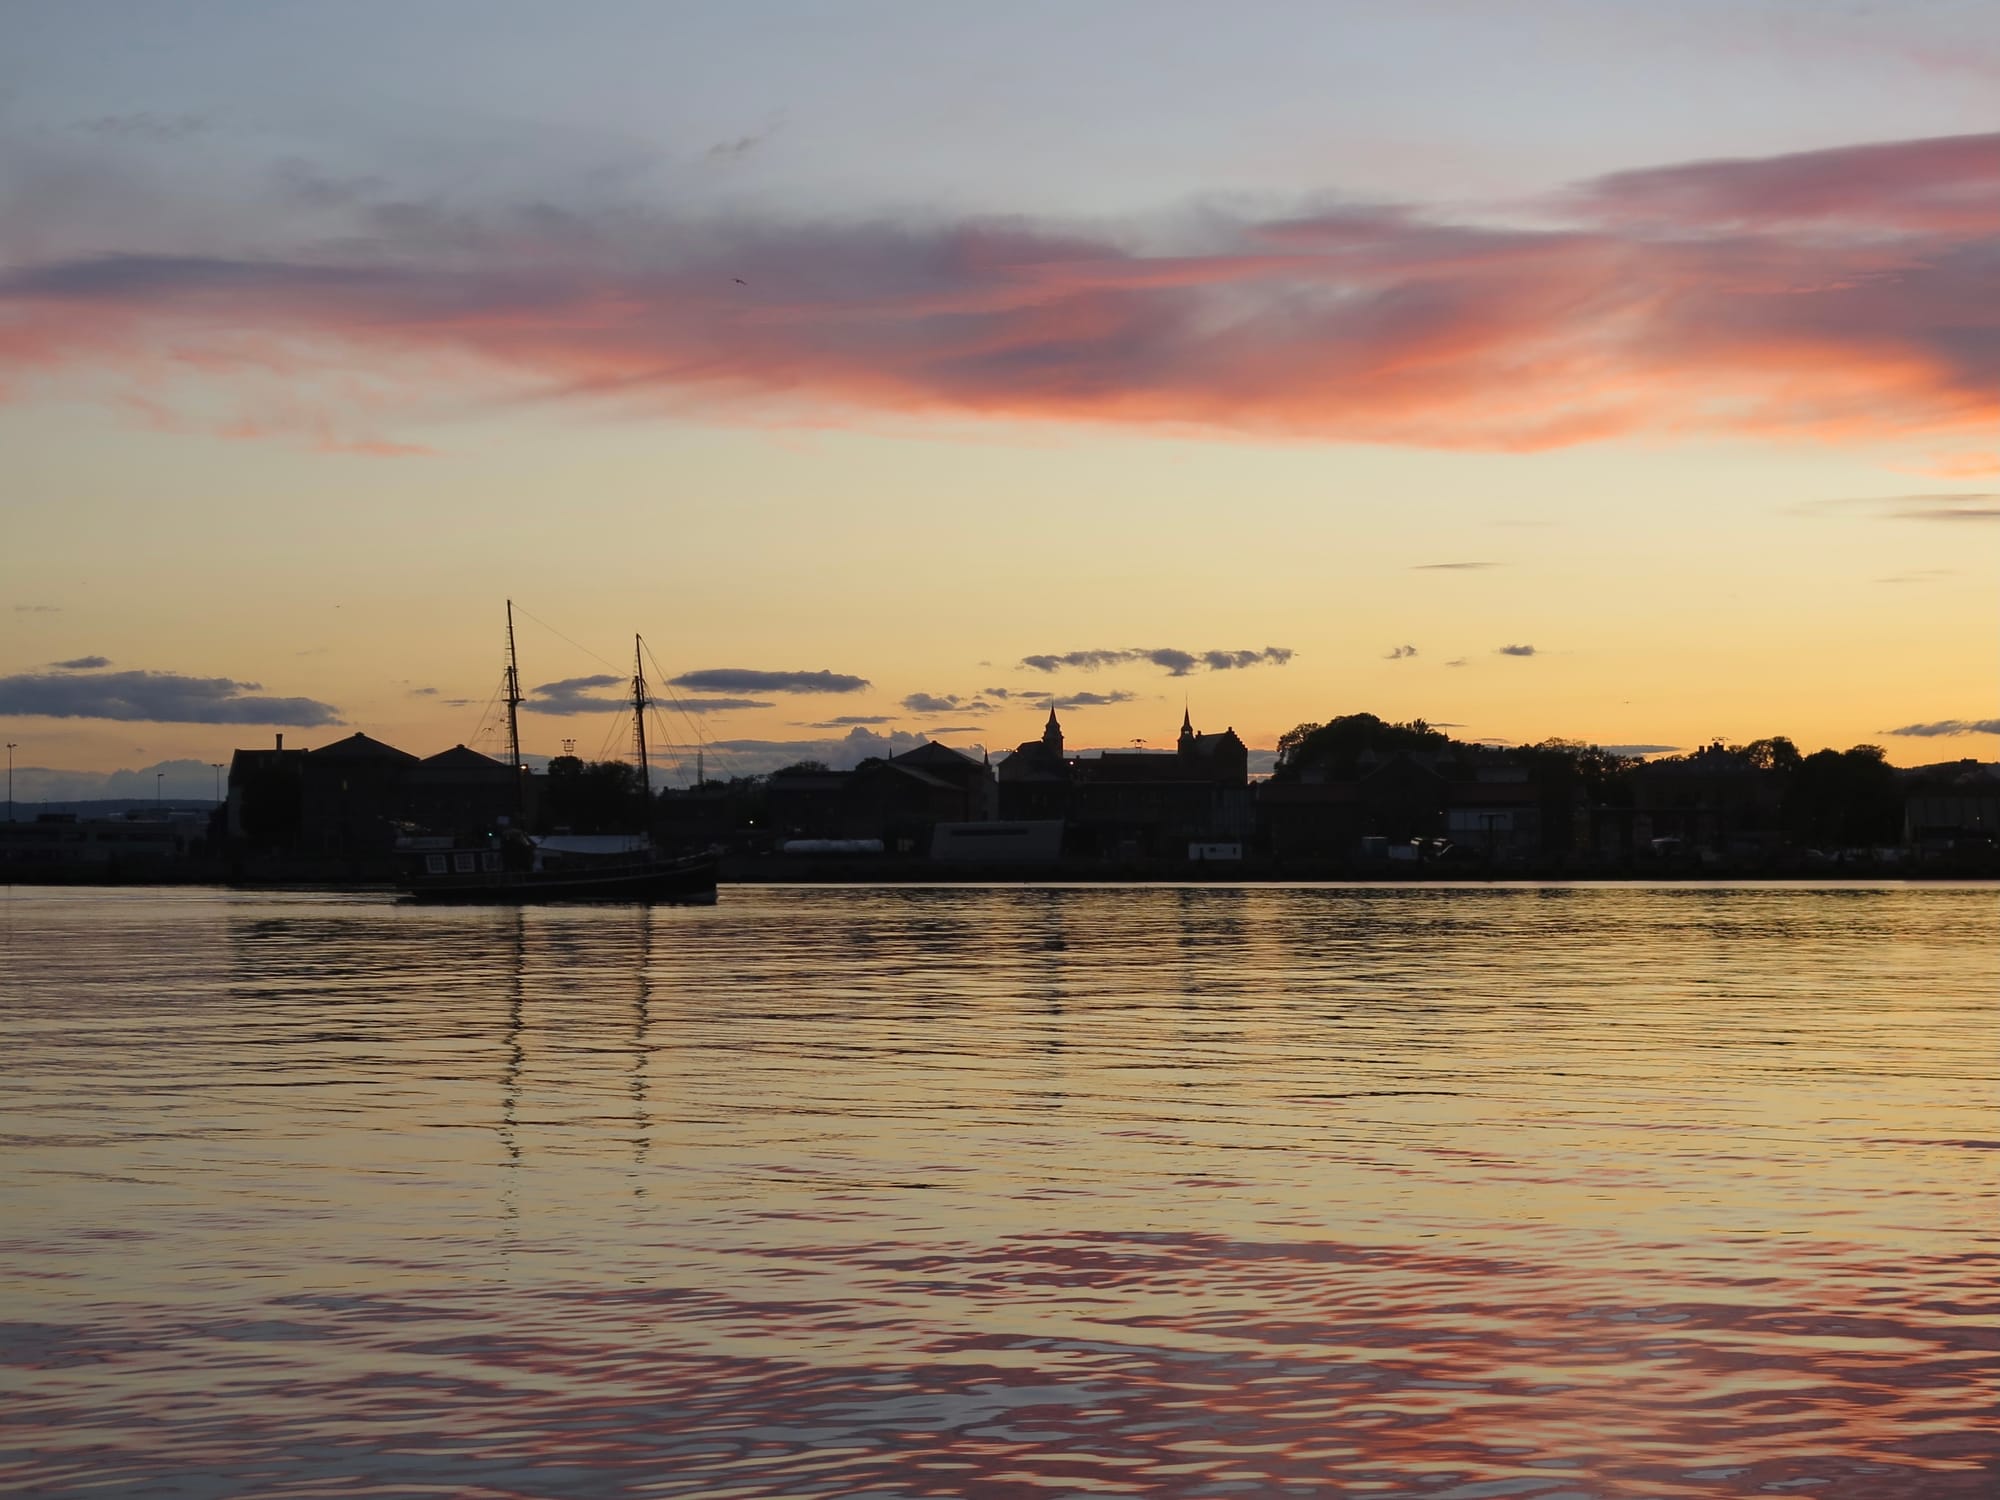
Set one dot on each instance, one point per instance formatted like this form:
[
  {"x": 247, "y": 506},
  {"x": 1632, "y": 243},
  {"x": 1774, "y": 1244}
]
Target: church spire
[
  {"x": 1052, "y": 735},
  {"x": 1187, "y": 726}
]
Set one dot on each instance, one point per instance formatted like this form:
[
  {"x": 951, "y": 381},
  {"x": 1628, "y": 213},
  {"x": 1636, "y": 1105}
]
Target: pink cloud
[
  {"x": 1962, "y": 465},
  {"x": 1829, "y": 296},
  {"x": 1949, "y": 183}
]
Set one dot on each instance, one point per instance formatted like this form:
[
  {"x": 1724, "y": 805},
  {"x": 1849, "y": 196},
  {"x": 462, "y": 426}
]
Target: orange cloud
[
  {"x": 1827, "y": 297},
  {"x": 1962, "y": 465}
]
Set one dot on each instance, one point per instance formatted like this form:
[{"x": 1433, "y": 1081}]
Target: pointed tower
[
  {"x": 1187, "y": 731},
  {"x": 1052, "y": 732}
]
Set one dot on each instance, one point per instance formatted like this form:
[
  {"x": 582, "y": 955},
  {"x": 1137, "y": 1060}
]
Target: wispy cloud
[
  {"x": 738, "y": 147},
  {"x": 1515, "y": 651},
  {"x": 848, "y": 721},
  {"x": 1399, "y": 653},
  {"x": 1958, "y": 506},
  {"x": 1942, "y": 728},
  {"x": 1919, "y": 575},
  {"x": 1174, "y": 662},
  {"x": 1450, "y": 567},
  {"x": 82, "y": 663},
  {"x": 1829, "y": 296},
  {"x": 1640, "y": 749},
  {"x": 749, "y": 680},
  {"x": 155, "y": 697},
  {"x": 1092, "y": 700},
  {"x": 38, "y": 609},
  {"x": 1457, "y": 661},
  {"x": 144, "y": 126}
]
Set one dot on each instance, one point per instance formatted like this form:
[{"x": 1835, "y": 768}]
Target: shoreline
[{"x": 1876, "y": 875}]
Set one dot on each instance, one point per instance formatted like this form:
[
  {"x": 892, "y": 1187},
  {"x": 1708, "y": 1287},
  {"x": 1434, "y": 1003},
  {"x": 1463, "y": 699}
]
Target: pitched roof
[
  {"x": 1209, "y": 744},
  {"x": 932, "y": 753},
  {"x": 358, "y": 746},
  {"x": 459, "y": 758}
]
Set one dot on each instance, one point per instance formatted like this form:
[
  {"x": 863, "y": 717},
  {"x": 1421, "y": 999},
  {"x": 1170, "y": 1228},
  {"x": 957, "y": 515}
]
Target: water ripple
[{"x": 1548, "y": 1192}]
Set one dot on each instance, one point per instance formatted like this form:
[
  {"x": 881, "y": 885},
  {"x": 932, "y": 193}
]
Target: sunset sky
[{"x": 1625, "y": 373}]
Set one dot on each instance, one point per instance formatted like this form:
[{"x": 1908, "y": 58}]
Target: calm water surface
[{"x": 1004, "y": 1193}]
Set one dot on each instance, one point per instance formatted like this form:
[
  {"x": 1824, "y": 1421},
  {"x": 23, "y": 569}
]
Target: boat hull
[{"x": 691, "y": 879}]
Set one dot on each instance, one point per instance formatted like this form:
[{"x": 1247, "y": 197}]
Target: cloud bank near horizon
[
  {"x": 143, "y": 697},
  {"x": 750, "y": 680},
  {"x": 1841, "y": 295},
  {"x": 1173, "y": 661}
]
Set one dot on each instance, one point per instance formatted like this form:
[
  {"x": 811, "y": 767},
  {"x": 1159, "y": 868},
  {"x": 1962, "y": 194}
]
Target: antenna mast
[
  {"x": 514, "y": 715},
  {"x": 639, "y": 731}
]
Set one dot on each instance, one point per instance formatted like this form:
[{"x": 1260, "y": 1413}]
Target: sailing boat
[{"x": 509, "y": 865}]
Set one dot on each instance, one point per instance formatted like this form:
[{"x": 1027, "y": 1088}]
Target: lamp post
[
  {"x": 159, "y": 790},
  {"x": 11, "y": 744},
  {"x": 216, "y": 766}
]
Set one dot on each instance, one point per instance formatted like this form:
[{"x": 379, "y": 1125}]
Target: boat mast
[
  {"x": 514, "y": 716},
  {"x": 639, "y": 733}
]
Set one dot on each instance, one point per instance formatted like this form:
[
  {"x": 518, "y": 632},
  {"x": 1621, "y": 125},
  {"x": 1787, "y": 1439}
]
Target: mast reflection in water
[{"x": 1003, "y": 1193}]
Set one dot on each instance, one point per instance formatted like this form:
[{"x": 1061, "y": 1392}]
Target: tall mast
[
  {"x": 514, "y": 715},
  {"x": 639, "y": 733}
]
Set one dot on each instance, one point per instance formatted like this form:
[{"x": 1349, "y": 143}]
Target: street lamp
[
  {"x": 159, "y": 789},
  {"x": 11, "y": 744},
  {"x": 216, "y": 766}
]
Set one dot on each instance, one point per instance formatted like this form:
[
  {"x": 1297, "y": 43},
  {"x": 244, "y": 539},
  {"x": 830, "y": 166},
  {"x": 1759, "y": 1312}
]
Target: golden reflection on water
[{"x": 995, "y": 1193}]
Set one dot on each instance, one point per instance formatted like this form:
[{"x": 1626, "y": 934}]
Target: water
[{"x": 1003, "y": 1193}]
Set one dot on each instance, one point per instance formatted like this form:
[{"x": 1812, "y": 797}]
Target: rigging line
[
  {"x": 699, "y": 737},
  {"x": 486, "y": 713},
  {"x": 666, "y": 742},
  {"x": 523, "y": 609},
  {"x": 612, "y": 736},
  {"x": 667, "y": 689}
]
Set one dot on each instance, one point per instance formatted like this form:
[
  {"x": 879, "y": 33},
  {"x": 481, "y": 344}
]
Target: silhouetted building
[
  {"x": 138, "y": 844},
  {"x": 1714, "y": 799},
  {"x": 353, "y": 796},
  {"x": 1309, "y": 820},
  {"x": 806, "y": 804},
  {"x": 1953, "y": 807},
  {"x": 460, "y": 791},
  {"x": 1034, "y": 781},
  {"x": 902, "y": 799},
  {"x": 266, "y": 797},
  {"x": 350, "y": 799},
  {"x": 1132, "y": 803},
  {"x": 971, "y": 780},
  {"x": 997, "y": 843},
  {"x": 1503, "y": 817}
]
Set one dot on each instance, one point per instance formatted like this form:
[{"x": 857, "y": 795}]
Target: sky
[{"x": 1621, "y": 373}]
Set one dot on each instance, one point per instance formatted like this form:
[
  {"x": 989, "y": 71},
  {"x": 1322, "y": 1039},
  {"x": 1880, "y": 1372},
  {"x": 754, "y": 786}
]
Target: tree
[
  {"x": 1555, "y": 762},
  {"x": 1336, "y": 747},
  {"x": 592, "y": 796},
  {"x": 1776, "y": 753},
  {"x": 1844, "y": 799}
]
